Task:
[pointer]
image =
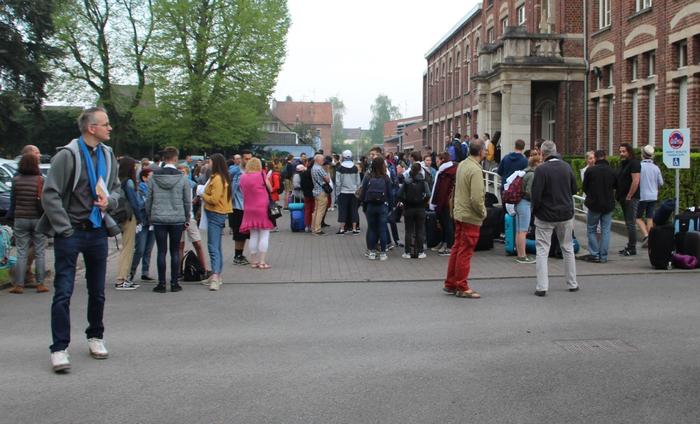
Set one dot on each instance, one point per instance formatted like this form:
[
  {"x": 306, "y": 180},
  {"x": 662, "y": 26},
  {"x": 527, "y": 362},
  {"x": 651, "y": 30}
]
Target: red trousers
[
  {"x": 466, "y": 237},
  {"x": 308, "y": 210}
]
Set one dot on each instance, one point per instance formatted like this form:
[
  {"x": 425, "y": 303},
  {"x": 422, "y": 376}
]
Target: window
[
  {"x": 548, "y": 121},
  {"x": 609, "y": 75},
  {"x": 489, "y": 3},
  {"x": 651, "y": 64},
  {"x": 633, "y": 68},
  {"x": 489, "y": 35},
  {"x": 683, "y": 103},
  {"x": 521, "y": 15},
  {"x": 604, "y": 17},
  {"x": 611, "y": 116},
  {"x": 643, "y": 4},
  {"x": 652, "y": 116},
  {"x": 682, "y": 53},
  {"x": 635, "y": 117},
  {"x": 597, "y": 124},
  {"x": 504, "y": 24}
]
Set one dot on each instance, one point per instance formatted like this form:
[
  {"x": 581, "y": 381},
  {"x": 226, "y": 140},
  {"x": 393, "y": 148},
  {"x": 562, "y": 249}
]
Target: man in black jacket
[
  {"x": 599, "y": 183},
  {"x": 553, "y": 206},
  {"x": 628, "y": 195}
]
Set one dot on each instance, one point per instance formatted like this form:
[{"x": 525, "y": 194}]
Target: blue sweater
[{"x": 512, "y": 162}]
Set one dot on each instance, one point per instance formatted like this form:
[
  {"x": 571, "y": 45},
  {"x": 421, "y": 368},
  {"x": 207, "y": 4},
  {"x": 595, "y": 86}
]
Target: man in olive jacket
[
  {"x": 553, "y": 206},
  {"x": 469, "y": 212},
  {"x": 74, "y": 205}
]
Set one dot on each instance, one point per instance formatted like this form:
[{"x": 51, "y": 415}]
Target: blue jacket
[
  {"x": 513, "y": 161},
  {"x": 234, "y": 171},
  {"x": 137, "y": 202}
]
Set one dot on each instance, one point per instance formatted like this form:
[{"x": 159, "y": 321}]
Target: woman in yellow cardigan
[{"x": 217, "y": 206}]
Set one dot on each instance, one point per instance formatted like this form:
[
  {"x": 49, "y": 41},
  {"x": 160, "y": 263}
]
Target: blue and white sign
[{"x": 676, "y": 148}]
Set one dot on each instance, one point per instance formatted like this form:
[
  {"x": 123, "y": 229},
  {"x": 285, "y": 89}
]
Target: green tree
[
  {"x": 106, "y": 42},
  {"x": 337, "y": 132},
  {"x": 25, "y": 29},
  {"x": 215, "y": 67},
  {"x": 382, "y": 111}
]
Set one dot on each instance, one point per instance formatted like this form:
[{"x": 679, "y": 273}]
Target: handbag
[{"x": 273, "y": 209}]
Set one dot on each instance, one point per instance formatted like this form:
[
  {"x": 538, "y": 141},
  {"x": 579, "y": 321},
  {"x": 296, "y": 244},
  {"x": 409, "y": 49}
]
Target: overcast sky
[{"x": 358, "y": 49}]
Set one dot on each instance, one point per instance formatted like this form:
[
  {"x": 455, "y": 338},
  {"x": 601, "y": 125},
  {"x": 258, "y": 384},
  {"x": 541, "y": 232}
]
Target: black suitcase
[
  {"x": 690, "y": 244},
  {"x": 486, "y": 237},
  {"x": 661, "y": 245},
  {"x": 495, "y": 221},
  {"x": 433, "y": 235}
]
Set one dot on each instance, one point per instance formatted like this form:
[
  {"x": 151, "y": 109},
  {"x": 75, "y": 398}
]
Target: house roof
[{"x": 310, "y": 113}]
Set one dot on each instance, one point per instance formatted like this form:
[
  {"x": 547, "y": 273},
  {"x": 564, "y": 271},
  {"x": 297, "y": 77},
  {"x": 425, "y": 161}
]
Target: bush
[{"x": 689, "y": 185}]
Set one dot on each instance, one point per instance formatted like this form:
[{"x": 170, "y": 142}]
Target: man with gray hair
[
  {"x": 553, "y": 206},
  {"x": 81, "y": 186}
]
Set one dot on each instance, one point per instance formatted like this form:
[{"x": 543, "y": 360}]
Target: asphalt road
[{"x": 365, "y": 353}]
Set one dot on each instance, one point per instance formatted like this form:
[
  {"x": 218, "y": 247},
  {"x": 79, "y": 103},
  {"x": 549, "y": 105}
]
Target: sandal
[
  {"x": 471, "y": 294},
  {"x": 263, "y": 265},
  {"x": 255, "y": 265}
]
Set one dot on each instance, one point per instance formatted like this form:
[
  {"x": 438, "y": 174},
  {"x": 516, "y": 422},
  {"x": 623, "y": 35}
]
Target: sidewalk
[{"x": 302, "y": 257}]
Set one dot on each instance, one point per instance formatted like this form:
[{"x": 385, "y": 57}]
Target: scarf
[{"x": 96, "y": 213}]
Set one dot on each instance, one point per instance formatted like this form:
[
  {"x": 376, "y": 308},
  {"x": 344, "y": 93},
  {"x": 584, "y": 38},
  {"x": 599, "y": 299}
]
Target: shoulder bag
[{"x": 273, "y": 209}]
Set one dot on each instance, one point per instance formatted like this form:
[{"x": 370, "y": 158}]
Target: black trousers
[{"x": 414, "y": 222}]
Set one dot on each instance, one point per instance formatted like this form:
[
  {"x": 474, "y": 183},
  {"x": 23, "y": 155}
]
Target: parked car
[
  {"x": 5, "y": 192},
  {"x": 8, "y": 169}
]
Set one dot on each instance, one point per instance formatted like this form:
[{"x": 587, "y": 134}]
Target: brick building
[
  {"x": 519, "y": 67},
  {"x": 314, "y": 118},
  {"x": 644, "y": 71},
  {"x": 404, "y": 132}
]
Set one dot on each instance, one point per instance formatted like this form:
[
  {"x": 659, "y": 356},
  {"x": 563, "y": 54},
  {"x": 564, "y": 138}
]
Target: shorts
[
  {"x": 191, "y": 233},
  {"x": 646, "y": 208},
  {"x": 237, "y": 220},
  {"x": 288, "y": 186},
  {"x": 523, "y": 214}
]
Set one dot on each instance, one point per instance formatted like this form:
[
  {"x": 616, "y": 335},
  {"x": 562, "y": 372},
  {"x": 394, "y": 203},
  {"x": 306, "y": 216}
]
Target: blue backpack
[{"x": 376, "y": 191}]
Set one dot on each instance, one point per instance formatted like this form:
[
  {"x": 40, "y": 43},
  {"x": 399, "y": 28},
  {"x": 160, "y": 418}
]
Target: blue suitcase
[
  {"x": 530, "y": 246},
  {"x": 296, "y": 212}
]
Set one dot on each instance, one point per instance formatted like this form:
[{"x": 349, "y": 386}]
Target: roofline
[{"x": 466, "y": 18}]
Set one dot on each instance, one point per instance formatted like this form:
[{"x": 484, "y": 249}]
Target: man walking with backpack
[{"x": 80, "y": 188}]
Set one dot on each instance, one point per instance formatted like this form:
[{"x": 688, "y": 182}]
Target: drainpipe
[{"x": 585, "y": 80}]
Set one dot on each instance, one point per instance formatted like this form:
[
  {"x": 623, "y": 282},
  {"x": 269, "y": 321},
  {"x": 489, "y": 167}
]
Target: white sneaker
[
  {"x": 438, "y": 247},
  {"x": 60, "y": 361},
  {"x": 383, "y": 256},
  {"x": 422, "y": 255},
  {"x": 371, "y": 256},
  {"x": 97, "y": 348},
  {"x": 405, "y": 255},
  {"x": 215, "y": 284}
]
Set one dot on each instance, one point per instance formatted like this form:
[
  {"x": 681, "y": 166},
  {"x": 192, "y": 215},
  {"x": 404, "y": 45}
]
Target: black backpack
[
  {"x": 459, "y": 151},
  {"x": 191, "y": 268},
  {"x": 123, "y": 212},
  {"x": 376, "y": 190},
  {"x": 414, "y": 193}
]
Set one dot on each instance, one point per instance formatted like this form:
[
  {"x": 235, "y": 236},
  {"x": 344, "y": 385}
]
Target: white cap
[
  {"x": 347, "y": 154},
  {"x": 648, "y": 151}
]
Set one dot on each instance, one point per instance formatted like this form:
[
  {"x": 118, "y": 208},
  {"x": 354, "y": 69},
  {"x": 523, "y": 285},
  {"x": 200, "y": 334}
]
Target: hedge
[{"x": 690, "y": 178}]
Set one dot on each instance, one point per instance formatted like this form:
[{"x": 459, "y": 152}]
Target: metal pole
[{"x": 678, "y": 189}]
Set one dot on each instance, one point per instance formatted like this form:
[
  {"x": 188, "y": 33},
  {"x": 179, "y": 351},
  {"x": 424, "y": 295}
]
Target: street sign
[{"x": 676, "y": 148}]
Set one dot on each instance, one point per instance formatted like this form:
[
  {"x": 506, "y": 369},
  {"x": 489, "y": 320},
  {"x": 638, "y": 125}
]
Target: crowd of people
[{"x": 90, "y": 195}]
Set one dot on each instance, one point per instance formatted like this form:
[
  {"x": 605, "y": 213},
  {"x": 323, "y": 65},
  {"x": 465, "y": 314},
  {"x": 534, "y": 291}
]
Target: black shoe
[
  {"x": 628, "y": 252},
  {"x": 591, "y": 258},
  {"x": 324, "y": 225},
  {"x": 574, "y": 290},
  {"x": 175, "y": 288},
  {"x": 147, "y": 278},
  {"x": 541, "y": 293},
  {"x": 341, "y": 232},
  {"x": 160, "y": 288}
]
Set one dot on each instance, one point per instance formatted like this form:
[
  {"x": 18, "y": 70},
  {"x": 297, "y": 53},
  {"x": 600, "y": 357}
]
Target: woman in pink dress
[{"x": 254, "y": 186}]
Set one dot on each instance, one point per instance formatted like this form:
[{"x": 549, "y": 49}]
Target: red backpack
[{"x": 514, "y": 192}]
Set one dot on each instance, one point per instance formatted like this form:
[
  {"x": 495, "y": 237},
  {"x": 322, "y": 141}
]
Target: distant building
[
  {"x": 404, "y": 132},
  {"x": 313, "y": 119}
]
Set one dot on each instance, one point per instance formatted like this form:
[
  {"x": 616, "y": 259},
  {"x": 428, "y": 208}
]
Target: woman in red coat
[{"x": 275, "y": 180}]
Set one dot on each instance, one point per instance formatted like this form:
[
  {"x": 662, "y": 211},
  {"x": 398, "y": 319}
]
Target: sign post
[{"x": 676, "y": 149}]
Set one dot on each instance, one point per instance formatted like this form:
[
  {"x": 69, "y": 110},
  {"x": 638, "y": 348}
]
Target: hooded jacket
[
  {"x": 170, "y": 202},
  {"x": 347, "y": 178},
  {"x": 66, "y": 166},
  {"x": 444, "y": 184},
  {"x": 513, "y": 161}
]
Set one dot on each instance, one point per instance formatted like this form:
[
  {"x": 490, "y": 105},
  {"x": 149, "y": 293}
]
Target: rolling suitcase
[
  {"x": 661, "y": 245},
  {"x": 296, "y": 213},
  {"x": 433, "y": 234},
  {"x": 530, "y": 245},
  {"x": 691, "y": 244},
  {"x": 485, "y": 239}
]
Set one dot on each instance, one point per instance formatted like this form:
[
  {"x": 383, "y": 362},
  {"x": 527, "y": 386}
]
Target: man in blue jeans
[
  {"x": 78, "y": 191},
  {"x": 599, "y": 183}
]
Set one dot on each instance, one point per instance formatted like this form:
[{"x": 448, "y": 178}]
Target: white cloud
[{"x": 357, "y": 50}]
